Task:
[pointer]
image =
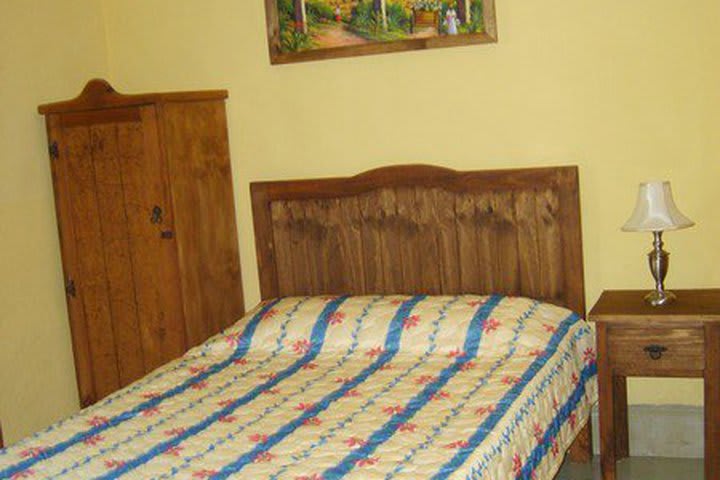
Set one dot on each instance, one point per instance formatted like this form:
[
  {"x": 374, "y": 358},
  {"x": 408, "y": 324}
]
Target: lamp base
[
  {"x": 659, "y": 261},
  {"x": 658, "y": 298}
]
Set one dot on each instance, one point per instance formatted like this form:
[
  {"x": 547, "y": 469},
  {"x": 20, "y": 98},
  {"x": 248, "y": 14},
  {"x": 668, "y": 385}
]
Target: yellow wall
[
  {"x": 627, "y": 90},
  {"x": 48, "y": 49}
]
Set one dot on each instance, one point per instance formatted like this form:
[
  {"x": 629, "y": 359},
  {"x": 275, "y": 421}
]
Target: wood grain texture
[
  {"x": 154, "y": 261},
  {"x": 606, "y": 390},
  {"x": 581, "y": 450},
  {"x": 420, "y": 229},
  {"x": 203, "y": 206},
  {"x": 146, "y": 286},
  {"x": 692, "y": 308},
  {"x": 76, "y": 313},
  {"x": 684, "y": 356},
  {"x": 712, "y": 400},
  {"x": 99, "y": 117},
  {"x": 92, "y": 280},
  {"x": 98, "y": 94},
  {"x": 116, "y": 249},
  {"x": 690, "y": 333},
  {"x": 472, "y": 243},
  {"x": 620, "y": 414}
]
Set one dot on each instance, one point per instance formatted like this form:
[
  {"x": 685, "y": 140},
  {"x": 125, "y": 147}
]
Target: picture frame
[{"x": 307, "y": 30}]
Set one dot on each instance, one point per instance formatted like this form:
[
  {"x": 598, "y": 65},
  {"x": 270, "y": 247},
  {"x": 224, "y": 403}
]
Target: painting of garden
[{"x": 324, "y": 24}]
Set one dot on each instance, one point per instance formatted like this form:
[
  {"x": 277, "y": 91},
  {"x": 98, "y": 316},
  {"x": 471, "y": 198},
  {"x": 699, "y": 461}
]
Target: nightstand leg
[
  {"x": 712, "y": 401},
  {"x": 606, "y": 386},
  {"x": 620, "y": 407}
]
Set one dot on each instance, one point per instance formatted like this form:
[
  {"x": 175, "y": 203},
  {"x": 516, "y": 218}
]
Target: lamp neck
[
  {"x": 657, "y": 241},
  {"x": 659, "y": 262}
]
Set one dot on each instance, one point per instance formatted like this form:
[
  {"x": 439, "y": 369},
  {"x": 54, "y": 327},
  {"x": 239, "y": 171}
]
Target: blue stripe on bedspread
[
  {"x": 317, "y": 340},
  {"x": 384, "y": 433},
  {"x": 139, "y": 434},
  {"x": 242, "y": 349},
  {"x": 506, "y": 402},
  {"x": 392, "y": 343},
  {"x": 268, "y": 410},
  {"x": 341, "y": 425},
  {"x": 562, "y": 416},
  {"x": 453, "y": 412}
]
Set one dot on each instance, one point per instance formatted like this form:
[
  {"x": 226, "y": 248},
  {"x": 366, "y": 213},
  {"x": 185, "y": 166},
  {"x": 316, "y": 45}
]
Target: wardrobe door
[
  {"x": 84, "y": 260},
  {"x": 152, "y": 240},
  {"x": 122, "y": 270},
  {"x": 196, "y": 141}
]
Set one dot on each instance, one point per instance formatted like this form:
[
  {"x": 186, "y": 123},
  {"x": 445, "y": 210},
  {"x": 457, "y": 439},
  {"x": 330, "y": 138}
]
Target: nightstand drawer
[{"x": 644, "y": 351}]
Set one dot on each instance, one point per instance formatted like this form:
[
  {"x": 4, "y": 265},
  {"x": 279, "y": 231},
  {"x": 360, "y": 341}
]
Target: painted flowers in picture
[{"x": 300, "y": 30}]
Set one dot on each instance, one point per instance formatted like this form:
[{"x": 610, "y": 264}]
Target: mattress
[{"x": 383, "y": 387}]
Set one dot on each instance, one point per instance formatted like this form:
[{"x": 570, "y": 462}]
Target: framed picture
[{"x": 303, "y": 30}]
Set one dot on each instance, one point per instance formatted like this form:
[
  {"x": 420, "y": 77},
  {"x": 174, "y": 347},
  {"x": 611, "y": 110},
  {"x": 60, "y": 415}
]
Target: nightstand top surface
[{"x": 624, "y": 305}]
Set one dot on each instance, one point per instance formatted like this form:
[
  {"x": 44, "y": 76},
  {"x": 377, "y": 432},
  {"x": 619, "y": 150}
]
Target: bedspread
[{"x": 383, "y": 387}]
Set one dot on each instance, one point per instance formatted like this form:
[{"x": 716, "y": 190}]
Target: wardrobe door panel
[
  {"x": 91, "y": 280},
  {"x": 76, "y": 312},
  {"x": 195, "y": 135},
  {"x": 152, "y": 241},
  {"x": 118, "y": 261}
]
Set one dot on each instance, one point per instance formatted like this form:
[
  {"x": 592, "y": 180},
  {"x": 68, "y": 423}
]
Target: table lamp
[{"x": 656, "y": 212}]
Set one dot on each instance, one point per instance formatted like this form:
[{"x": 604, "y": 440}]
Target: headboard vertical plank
[
  {"x": 335, "y": 250},
  {"x": 530, "y": 261},
  {"x": 383, "y": 237},
  {"x": 406, "y": 223},
  {"x": 314, "y": 257},
  {"x": 265, "y": 241},
  {"x": 442, "y": 222},
  {"x": 420, "y": 229},
  {"x": 550, "y": 256},
  {"x": 280, "y": 214},
  {"x": 349, "y": 251},
  {"x": 395, "y": 246},
  {"x": 571, "y": 233},
  {"x": 504, "y": 233},
  {"x": 372, "y": 242},
  {"x": 421, "y": 265},
  {"x": 486, "y": 238},
  {"x": 303, "y": 279},
  {"x": 471, "y": 245}
]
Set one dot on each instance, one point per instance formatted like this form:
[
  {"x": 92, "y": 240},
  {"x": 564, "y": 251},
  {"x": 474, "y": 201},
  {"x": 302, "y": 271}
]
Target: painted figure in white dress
[{"x": 451, "y": 21}]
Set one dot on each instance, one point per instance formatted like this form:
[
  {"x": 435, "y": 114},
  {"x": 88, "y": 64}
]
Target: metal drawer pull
[{"x": 655, "y": 351}]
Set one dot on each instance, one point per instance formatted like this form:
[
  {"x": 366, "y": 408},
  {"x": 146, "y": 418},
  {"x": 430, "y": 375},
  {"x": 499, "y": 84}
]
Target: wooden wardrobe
[{"x": 144, "y": 201}]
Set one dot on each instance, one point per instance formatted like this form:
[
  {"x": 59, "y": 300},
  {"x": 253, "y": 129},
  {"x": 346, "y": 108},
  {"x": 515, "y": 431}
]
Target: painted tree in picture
[{"x": 321, "y": 24}]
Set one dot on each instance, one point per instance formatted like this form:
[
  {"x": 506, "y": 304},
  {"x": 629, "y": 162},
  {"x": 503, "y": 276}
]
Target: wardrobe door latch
[{"x": 156, "y": 216}]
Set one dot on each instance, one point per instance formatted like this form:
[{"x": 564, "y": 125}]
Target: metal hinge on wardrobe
[
  {"x": 70, "y": 288},
  {"x": 54, "y": 150}
]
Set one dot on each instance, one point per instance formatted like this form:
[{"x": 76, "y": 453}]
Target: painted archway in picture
[{"x": 302, "y": 30}]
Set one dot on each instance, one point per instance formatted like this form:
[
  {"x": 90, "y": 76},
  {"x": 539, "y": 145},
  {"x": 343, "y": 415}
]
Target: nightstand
[{"x": 677, "y": 340}]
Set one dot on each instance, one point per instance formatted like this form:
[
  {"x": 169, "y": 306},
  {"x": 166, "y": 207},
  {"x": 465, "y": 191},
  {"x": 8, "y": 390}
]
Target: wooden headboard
[{"x": 423, "y": 229}]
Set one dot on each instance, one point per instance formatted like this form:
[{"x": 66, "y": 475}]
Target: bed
[{"x": 416, "y": 322}]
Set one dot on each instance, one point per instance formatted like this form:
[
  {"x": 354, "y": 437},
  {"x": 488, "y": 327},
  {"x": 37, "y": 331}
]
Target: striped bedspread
[{"x": 344, "y": 387}]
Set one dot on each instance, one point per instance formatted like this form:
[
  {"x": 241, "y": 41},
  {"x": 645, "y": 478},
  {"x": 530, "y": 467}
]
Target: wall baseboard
[{"x": 661, "y": 431}]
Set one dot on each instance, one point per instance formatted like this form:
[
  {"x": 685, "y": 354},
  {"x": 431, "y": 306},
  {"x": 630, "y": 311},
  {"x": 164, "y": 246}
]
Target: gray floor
[{"x": 639, "y": 468}]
